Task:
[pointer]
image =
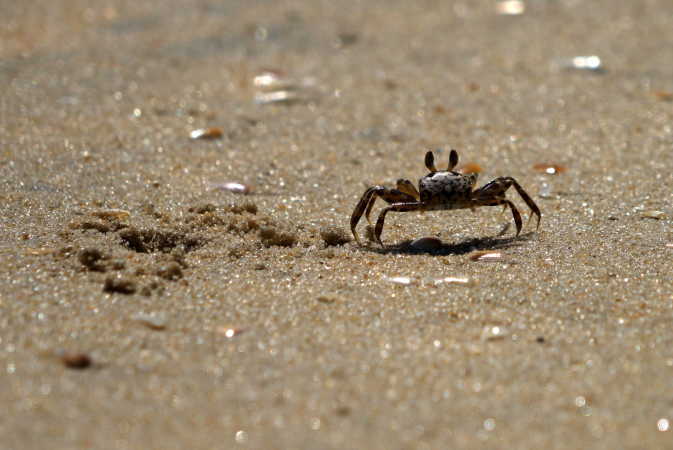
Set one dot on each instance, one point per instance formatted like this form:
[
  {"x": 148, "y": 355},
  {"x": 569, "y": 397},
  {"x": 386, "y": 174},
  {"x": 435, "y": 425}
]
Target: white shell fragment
[
  {"x": 271, "y": 80},
  {"x": 265, "y": 98},
  {"x": 494, "y": 333},
  {"x": 510, "y": 7},
  {"x": 404, "y": 281},
  {"x": 486, "y": 256},
  {"x": 232, "y": 186},
  {"x": 591, "y": 63},
  {"x": 153, "y": 321},
  {"x": 452, "y": 280},
  {"x": 653, "y": 214}
]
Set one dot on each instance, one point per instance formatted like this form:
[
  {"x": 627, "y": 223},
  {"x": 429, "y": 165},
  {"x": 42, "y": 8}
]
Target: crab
[{"x": 440, "y": 190}]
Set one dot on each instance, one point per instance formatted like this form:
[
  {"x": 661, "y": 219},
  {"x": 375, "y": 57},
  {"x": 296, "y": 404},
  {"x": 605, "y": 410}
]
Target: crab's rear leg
[
  {"x": 496, "y": 190},
  {"x": 398, "y": 207}
]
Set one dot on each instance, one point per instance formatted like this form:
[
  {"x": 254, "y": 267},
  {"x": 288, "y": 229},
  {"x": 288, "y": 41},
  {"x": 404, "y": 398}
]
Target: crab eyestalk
[
  {"x": 453, "y": 160},
  {"x": 430, "y": 162}
]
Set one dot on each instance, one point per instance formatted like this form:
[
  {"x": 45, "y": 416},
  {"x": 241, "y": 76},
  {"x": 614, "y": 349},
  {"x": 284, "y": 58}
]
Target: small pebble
[
  {"x": 326, "y": 299},
  {"x": 119, "y": 214},
  {"x": 76, "y": 360},
  {"x": 486, "y": 256},
  {"x": 206, "y": 134},
  {"x": 152, "y": 321},
  {"x": 426, "y": 244},
  {"x": 653, "y": 214}
]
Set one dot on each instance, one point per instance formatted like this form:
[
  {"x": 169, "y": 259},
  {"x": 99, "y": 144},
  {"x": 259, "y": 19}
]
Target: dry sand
[{"x": 200, "y": 318}]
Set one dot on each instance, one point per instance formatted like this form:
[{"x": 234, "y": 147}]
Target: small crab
[{"x": 440, "y": 190}]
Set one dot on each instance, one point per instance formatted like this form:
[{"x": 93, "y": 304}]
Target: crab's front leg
[
  {"x": 398, "y": 207},
  {"x": 405, "y": 192}
]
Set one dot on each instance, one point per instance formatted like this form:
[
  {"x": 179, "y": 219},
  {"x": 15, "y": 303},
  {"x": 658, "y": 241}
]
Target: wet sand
[{"x": 143, "y": 306}]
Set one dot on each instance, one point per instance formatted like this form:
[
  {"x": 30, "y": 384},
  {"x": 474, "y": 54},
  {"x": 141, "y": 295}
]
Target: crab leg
[
  {"x": 496, "y": 190},
  {"x": 360, "y": 208},
  {"x": 515, "y": 213},
  {"x": 398, "y": 207},
  {"x": 368, "y": 199},
  {"x": 407, "y": 187}
]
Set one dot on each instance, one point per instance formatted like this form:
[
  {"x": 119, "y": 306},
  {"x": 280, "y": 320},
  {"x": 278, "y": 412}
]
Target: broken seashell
[
  {"x": 486, "y": 256},
  {"x": 206, "y": 134},
  {"x": 232, "y": 186}
]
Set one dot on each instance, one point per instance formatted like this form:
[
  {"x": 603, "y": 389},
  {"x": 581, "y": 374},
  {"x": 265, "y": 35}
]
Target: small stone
[
  {"x": 77, "y": 361},
  {"x": 328, "y": 299},
  {"x": 426, "y": 244}
]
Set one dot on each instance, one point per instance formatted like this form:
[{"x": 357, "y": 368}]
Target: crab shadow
[{"x": 460, "y": 248}]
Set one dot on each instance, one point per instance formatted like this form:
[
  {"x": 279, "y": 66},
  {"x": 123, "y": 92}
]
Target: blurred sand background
[{"x": 213, "y": 319}]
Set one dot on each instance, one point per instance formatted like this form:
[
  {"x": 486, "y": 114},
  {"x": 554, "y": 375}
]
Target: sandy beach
[{"x": 165, "y": 288}]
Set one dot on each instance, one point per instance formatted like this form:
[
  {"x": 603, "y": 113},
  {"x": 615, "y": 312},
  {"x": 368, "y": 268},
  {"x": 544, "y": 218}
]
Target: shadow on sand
[{"x": 460, "y": 248}]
